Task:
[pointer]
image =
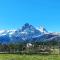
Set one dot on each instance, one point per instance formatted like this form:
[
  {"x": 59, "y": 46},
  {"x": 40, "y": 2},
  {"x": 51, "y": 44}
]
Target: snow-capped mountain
[
  {"x": 43, "y": 30},
  {"x": 4, "y": 32},
  {"x": 27, "y": 33}
]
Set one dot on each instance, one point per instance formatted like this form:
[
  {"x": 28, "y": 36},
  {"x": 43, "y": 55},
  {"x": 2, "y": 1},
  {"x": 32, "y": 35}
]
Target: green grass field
[{"x": 28, "y": 57}]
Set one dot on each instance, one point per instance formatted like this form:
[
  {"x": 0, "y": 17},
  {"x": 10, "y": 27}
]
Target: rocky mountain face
[{"x": 27, "y": 33}]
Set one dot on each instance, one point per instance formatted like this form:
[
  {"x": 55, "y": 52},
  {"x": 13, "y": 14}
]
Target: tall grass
[{"x": 28, "y": 57}]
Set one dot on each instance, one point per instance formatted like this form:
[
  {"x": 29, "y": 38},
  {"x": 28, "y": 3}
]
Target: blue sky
[{"x": 15, "y": 13}]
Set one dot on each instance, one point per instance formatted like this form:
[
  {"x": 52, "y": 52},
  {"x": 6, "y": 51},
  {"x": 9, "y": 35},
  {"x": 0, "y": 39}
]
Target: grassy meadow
[{"x": 28, "y": 57}]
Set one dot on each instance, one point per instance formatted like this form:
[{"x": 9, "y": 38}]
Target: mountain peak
[
  {"x": 27, "y": 26},
  {"x": 43, "y": 30}
]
